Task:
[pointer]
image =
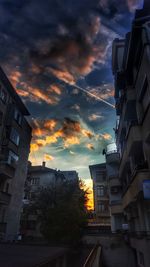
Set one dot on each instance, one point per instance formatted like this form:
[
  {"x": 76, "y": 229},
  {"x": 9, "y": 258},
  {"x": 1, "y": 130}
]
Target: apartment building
[
  {"x": 38, "y": 178},
  {"x": 15, "y": 137},
  {"x": 131, "y": 69},
  {"x": 101, "y": 194},
  {"x": 71, "y": 176},
  {"x": 114, "y": 188}
]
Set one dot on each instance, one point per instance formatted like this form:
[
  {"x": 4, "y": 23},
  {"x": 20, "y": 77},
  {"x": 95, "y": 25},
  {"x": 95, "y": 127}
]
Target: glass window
[
  {"x": 101, "y": 207},
  {"x": 100, "y": 191},
  {"x": 18, "y": 116},
  {"x": 14, "y": 136},
  {"x": 12, "y": 158}
]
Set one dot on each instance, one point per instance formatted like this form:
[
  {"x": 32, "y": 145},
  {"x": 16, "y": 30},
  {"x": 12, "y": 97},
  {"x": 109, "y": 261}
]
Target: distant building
[
  {"x": 15, "y": 137},
  {"x": 115, "y": 188},
  {"x": 131, "y": 69},
  {"x": 38, "y": 178},
  {"x": 71, "y": 176},
  {"x": 101, "y": 196}
]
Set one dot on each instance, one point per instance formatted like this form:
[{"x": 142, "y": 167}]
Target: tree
[{"x": 63, "y": 212}]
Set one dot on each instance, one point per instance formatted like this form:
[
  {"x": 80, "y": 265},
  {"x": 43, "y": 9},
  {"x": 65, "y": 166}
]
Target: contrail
[{"x": 93, "y": 95}]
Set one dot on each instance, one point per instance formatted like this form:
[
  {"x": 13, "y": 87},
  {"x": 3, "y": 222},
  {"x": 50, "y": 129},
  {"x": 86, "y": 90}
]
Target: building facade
[
  {"x": 114, "y": 188},
  {"x": 101, "y": 194},
  {"x": 131, "y": 69},
  {"x": 15, "y": 137}
]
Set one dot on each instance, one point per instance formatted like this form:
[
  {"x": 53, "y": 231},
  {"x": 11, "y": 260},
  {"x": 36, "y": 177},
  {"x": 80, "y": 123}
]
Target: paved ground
[{"x": 12, "y": 255}]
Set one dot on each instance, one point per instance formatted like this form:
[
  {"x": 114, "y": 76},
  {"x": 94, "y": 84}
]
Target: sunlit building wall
[{"x": 101, "y": 195}]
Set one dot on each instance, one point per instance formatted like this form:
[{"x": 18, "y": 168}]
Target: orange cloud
[
  {"x": 22, "y": 93},
  {"x": 71, "y": 133},
  {"x": 87, "y": 133},
  {"x": 48, "y": 157},
  {"x": 33, "y": 93},
  {"x": 95, "y": 117},
  {"x": 38, "y": 95},
  {"x": 73, "y": 140},
  {"x": 90, "y": 146},
  {"x": 15, "y": 77},
  {"x": 56, "y": 89},
  {"x": 106, "y": 136},
  {"x": 50, "y": 124},
  {"x": 34, "y": 147},
  {"x": 63, "y": 75}
]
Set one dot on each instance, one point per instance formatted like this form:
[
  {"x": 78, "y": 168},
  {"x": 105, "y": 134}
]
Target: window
[
  {"x": 35, "y": 181},
  {"x": 18, "y": 116},
  {"x": 3, "y": 94},
  {"x": 12, "y": 158},
  {"x": 101, "y": 207},
  {"x": 14, "y": 136},
  {"x": 100, "y": 191}
]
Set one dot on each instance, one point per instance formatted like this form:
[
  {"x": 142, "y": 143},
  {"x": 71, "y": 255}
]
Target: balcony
[
  {"x": 114, "y": 182},
  {"x": 113, "y": 157},
  {"x": 7, "y": 171},
  {"x": 116, "y": 206},
  {"x": 135, "y": 187},
  {"x": 4, "y": 198},
  {"x": 134, "y": 141}
]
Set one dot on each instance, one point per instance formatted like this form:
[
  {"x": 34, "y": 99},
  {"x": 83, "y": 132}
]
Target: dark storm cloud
[{"x": 54, "y": 38}]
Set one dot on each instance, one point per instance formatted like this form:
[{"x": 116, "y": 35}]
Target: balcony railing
[{"x": 95, "y": 257}]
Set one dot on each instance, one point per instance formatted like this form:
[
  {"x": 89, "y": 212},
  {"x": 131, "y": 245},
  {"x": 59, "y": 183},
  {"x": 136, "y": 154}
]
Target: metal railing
[{"x": 95, "y": 257}]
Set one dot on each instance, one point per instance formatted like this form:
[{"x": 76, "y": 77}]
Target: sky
[{"x": 57, "y": 54}]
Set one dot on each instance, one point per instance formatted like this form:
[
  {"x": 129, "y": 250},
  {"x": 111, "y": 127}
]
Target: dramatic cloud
[
  {"x": 106, "y": 136},
  {"x": 90, "y": 146},
  {"x": 94, "y": 117},
  {"x": 70, "y": 132},
  {"x": 48, "y": 157},
  {"x": 49, "y": 47}
]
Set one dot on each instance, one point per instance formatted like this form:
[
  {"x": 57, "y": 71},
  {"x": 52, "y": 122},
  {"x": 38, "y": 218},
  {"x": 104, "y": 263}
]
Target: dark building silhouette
[
  {"x": 15, "y": 137},
  {"x": 131, "y": 69}
]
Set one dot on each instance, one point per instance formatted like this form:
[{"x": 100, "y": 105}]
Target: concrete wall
[
  {"x": 17, "y": 185},
  {"x": 115, "y": 252}
]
